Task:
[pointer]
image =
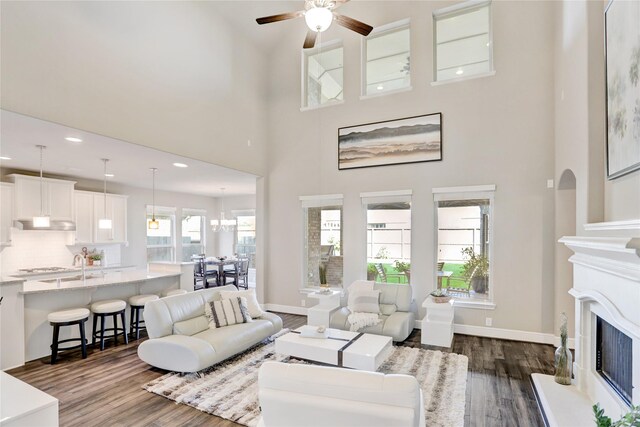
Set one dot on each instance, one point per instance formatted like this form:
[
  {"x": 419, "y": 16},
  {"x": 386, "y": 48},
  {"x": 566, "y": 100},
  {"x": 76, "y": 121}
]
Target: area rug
[{"x": 230, "y": 389}]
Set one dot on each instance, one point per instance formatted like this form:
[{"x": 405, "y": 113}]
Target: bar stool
[
  {"x": 102, "y": 309},
  {"x": 75, "y": 316},
  {"x": 174, "y": 292},
  {"x": 137, "y": 303}
]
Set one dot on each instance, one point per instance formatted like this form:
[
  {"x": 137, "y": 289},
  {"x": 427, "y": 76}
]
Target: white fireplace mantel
[{"x": 606, "y": 284}]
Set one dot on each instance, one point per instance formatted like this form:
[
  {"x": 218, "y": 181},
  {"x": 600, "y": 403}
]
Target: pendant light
[
  {"x": 153, "y": 224},
  {"x": 42, "y": 221},
  {"x": 222, "y": 224},
  {"x": 105, "y": 223}
]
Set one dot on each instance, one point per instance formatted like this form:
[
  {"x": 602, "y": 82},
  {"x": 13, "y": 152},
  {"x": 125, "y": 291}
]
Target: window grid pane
[
  {"x": 324, "y": 76},
  {"x": 388, "y": 61},
  {"x": 463, "y": 43}
]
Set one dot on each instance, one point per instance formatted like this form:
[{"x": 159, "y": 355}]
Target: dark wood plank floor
[{"x": 105, "y": 389}]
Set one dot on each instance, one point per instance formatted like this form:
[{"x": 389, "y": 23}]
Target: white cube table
[
  {"x": 437, "y": 325},
  {"x": 320, "y": 314},
  {"x": 343, "y": 348}
]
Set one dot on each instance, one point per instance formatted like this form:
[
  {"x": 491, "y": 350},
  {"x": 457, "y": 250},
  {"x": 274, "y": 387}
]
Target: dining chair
[
  {"x": 240, "y": 277},
  {"x": 202, "y": 274}
]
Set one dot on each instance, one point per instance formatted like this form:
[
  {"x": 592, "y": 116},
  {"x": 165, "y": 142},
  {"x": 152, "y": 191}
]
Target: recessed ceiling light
[
  {"x": 380, "y": 87},
  {"x": 109, "y": 175},
  {"x": 459, "y": 72},
  {"x": 5, "y": 158},
  {"x": 180, "y": 165},
  {"x": 73, "y": 139}
]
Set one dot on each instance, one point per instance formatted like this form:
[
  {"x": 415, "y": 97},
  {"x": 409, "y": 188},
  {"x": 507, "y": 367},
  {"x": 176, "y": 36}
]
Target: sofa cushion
[
  {"x": 388, "y": 309},
  {"x": 252, "y": 301},
  {"x": 397, "y": 294},
  {"x": 234, "y": 339},
  {"x": 361, "y": 301},
  {"x": 227, "y": 312},
  {"x": 191, "y": 326}
]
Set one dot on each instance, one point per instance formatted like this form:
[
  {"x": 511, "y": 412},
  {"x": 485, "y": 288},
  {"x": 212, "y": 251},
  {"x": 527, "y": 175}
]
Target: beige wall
[
  {"x": 169, "y": 75},
  {"x": 497, "y": 130}
]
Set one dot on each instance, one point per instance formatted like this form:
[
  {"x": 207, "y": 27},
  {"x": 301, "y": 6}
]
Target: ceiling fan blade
[
  {"x": 280, "y": 17},
  {"x": 310, "y": 40},
  {"x": 353, "y": 24}
]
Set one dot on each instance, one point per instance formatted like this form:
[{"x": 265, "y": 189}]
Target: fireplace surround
[{"x": 606, "y": 290}]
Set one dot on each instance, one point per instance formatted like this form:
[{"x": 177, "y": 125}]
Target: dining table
[{"x": 220, "y": 264}]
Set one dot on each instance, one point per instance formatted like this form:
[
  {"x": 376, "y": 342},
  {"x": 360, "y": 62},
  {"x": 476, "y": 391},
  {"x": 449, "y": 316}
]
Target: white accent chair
[
  {"x": 180, "y": 339},
  {"x": 397, "y": 320},
  {"x": 306, "y": 395}
]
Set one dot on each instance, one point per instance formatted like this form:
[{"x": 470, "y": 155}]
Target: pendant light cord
[
  {"x": 41, "y": 147},
  {"x": 105, "y": 186},
  {"x": 153, "y": 196}
]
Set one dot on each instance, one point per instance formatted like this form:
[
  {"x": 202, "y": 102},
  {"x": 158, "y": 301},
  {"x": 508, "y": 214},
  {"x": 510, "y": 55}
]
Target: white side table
[
  {"x": 321, "y": 313},
  {"x": 437, "y": 325}
]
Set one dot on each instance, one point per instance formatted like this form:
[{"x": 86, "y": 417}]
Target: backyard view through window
[
  {"x": 389, "y": 242},
  {"x": 192, "y": 233},
  {"x": 160, "y": 242},
  {"x": 323, "y": 250},
  {"x": 463, "y": 247},
  {"x": 246, "y": 238}
]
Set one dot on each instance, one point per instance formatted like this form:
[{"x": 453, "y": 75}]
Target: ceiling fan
[{"x": 319, "y": 14}]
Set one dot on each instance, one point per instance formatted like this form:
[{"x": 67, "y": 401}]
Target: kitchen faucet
[{"x": 83, "y": 262}]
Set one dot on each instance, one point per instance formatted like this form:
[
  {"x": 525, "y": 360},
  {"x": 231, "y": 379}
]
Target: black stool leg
[
  {"x": 95, "y": 325},
  {"x": 124, "y": 328},
  {"x": 54, "y": 343},
  {"x": 137, "y": 323},
  {"x": 102, "y": 320},
  {"x": 83, "y": 341},
  {"x": 115, "y": 329},
  {"x": 131, "y": 320}
]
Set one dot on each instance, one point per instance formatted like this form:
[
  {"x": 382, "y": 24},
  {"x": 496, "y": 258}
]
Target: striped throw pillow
[
  {"x": 364, "y": 302},
  {"x": 227, "y": 312}
]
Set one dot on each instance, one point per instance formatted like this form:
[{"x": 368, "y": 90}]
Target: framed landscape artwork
[
  {"x": 409, "y": 140},
  {"x": 622, "y": 29}
]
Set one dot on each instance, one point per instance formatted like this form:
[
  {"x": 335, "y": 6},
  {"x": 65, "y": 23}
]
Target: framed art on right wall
[{"x": 622, "y": 34}]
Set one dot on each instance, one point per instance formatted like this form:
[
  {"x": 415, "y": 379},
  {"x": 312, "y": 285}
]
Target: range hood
[{"x": 53, "y": 225}]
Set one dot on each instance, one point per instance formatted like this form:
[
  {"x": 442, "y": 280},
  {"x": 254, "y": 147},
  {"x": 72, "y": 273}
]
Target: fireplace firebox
[{"x": 614, "y": 358}]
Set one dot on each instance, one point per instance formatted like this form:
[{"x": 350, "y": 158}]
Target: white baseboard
[
  {"x": 506, "y": 334},
  {"x": 289, "y": 309}
]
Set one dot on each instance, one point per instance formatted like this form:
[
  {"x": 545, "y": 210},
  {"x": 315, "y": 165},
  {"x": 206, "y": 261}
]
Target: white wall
[
  {"x": 497, "y": 130},
  {"x": 169, "y": 75}
]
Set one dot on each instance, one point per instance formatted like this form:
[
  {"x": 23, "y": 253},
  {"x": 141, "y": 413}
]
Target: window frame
[
  {"x": 322, "y": 47},
  {"x": 384, "y": 197},
  {"x": 319, "y": 201},
  {"x": 467, "y": 193},
  {"x": 203, "y": 230},
  {"x": 453, "y": 11},
  {"x": 380, "y": 32},
  {"x": 246, "y": 212},
  {"x": 162, "y": 211}
]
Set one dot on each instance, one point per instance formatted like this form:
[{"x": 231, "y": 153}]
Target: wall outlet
[
  {"x": 549, "y": 183},
  {"x": 488, "y": 321},
  {"x": 303, "y": 303}
]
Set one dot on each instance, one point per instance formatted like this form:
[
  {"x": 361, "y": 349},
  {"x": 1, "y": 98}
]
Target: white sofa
[
  {"x": 180, "y": 339},
  {"x": 306, "y": 395},
  {"x": 396, "y": 320}
]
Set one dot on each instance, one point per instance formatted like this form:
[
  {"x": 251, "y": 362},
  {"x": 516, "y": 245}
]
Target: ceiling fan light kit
[{"x": 318, "y": 15}]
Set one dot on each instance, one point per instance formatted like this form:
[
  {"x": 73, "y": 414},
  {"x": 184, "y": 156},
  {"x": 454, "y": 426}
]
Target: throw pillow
[
  {"x": 364, "y": 302},
  {"x": 252, "y": 300},
  {"x": 228, "y": 312},
  {"x": 361, "y": 285}
]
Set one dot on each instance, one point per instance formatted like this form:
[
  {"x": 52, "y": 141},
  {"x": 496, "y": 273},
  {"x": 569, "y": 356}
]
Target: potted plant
[
  {"x": 404, "y": 268},
  {"x": 476, "y": 270},
  {"x": 440, "y": 296},
  {"x": 96, "y": 259},
  {"x": 371, "y": 272}
]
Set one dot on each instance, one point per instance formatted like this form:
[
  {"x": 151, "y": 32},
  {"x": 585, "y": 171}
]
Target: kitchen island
[{"x": 26, "y": 335}]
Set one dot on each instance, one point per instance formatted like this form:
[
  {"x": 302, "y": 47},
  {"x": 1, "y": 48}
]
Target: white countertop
[
  {"x": 18, "y": 399},
  {"x": 69, "y": 270},
  {"x": 98, "y": 280}
]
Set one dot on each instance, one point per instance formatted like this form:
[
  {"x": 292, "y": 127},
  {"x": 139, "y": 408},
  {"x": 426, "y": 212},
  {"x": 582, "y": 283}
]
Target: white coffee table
[{"x": 343, "y": 348}]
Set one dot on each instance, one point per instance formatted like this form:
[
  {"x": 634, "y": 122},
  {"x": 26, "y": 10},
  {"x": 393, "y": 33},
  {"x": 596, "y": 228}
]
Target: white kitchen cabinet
[
  {"x": 89, "y": 209},
  {"x": 84, "y": 217},
  {"x": 57, "y": 197},
  {"x": 117, "y": 212},
  {"x": 6, "y": 213}
]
